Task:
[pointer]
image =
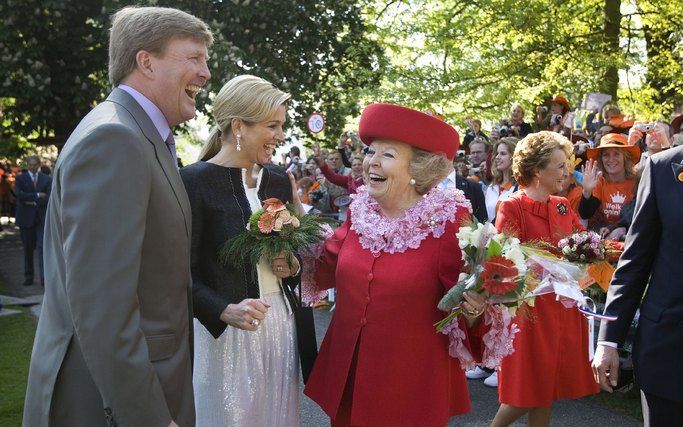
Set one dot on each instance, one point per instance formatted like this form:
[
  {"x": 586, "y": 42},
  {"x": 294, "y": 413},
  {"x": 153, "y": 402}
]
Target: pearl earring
[
  {"x": 412, "y": 181},
  {"x": 239, "y": 147},
  {"x": 538, "y": 183}
]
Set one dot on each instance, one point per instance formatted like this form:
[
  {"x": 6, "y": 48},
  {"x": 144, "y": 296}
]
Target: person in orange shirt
[
  {"x": 571, "y": 190},
  {"x": 608, "y": 182}
]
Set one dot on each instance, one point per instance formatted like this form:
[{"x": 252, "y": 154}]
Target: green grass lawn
[
  {"x": 16, "y": 342},
  {"x": 627, "y": 403}
]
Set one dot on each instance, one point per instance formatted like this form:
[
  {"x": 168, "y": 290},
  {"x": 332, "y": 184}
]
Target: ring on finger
[{"x": 255, "y": 322}]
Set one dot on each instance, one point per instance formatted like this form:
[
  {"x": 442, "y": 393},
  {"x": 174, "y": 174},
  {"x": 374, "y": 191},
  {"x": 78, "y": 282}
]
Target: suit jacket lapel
[{"x": 163, "y": 156}]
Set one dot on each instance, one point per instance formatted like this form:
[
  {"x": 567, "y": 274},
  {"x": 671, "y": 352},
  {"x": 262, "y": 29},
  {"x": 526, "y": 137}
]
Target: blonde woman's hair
[
  {"x": 356, "y": 157},
  {"x": 533, "y": 153},
  {"x": 428, "y": 169},
  {"x": 516, "y": 105},
  {"x": 151, "y": 29},
  {"x": 510, "y": 142},
  {"x": 248, "y": 98},
  {"x": 610, "y": 108}
]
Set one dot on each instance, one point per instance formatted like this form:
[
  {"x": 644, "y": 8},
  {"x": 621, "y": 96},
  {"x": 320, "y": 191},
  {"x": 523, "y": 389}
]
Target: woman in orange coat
[
  {"x": 381, "y": 362},
  {"x": 550, "y": 361}
]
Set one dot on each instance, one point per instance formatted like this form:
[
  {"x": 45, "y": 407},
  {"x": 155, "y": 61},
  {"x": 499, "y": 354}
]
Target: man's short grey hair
[{"x": 151, "y": 29}]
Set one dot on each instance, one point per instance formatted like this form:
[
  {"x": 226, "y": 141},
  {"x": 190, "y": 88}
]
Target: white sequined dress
[{"x": 249, "y": 379}]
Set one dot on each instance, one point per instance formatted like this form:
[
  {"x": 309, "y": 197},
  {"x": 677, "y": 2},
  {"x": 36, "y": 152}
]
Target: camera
[
  {"x": 544, "y": 108},
  {"x": 556, "y": 120},
  {"x": 461, "y": 153},
  {"x": 316, "y": 195},
  {"x": 644, "y": 127}
]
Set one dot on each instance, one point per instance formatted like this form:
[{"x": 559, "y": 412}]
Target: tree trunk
[{"x": 610, "y": 82}]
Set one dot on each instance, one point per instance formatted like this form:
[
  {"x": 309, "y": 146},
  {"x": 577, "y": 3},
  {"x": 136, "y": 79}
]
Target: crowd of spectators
[{"x": 609, "y": 151}]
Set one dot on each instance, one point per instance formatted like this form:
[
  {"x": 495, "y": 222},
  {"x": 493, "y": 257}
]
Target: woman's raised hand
[
  {"x": 318, "y": 154},
  {"x": 246, "y": 315},
  {"x": 591, "y": 175},
  {"x": 296, "y": 200}
]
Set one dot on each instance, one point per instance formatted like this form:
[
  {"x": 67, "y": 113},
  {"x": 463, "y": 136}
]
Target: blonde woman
[
  {"x": 245, "y": 366},
  {"x": 518, "y": 127},
  {"x": 503, "y": 183}
]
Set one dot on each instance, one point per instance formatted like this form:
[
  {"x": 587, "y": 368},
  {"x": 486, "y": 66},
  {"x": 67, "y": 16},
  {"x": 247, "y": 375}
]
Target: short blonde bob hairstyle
[
  {"x": 428, "y": 169},
  {"x": 151, "y": 29},
  {"x": 248, "y": 98},
  {"x": 533, "y": 153}
]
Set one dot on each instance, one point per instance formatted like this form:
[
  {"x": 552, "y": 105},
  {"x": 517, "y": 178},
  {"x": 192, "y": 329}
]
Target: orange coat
[{"x": 550, "y": 361}]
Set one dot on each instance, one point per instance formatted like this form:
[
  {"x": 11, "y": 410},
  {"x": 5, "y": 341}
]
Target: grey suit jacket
[
  {"x": 652, "y": 265},
  {"x": 113, "y": 341}
]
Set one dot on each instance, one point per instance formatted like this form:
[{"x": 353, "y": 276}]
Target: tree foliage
[
  {"x": 54, "y": 57},
  {"x": 477, "y": 58}
]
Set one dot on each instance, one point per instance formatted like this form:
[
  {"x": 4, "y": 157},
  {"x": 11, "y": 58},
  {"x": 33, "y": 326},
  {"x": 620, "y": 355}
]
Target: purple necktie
[{"x": 170, "y": 143}]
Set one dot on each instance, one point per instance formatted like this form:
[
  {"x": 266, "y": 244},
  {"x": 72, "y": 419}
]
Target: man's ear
[{"x": 143, "y": 63}]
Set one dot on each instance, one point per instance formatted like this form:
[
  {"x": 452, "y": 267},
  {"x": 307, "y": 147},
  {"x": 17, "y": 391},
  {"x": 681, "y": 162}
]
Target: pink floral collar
[{"x": 378, "y": 233}]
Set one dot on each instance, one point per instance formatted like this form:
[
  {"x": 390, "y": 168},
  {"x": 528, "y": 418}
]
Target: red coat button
[
  {"x": 363, "y": 321},
  {"x": 370, "y": 276},
  {"x": 367, "y": 299}
]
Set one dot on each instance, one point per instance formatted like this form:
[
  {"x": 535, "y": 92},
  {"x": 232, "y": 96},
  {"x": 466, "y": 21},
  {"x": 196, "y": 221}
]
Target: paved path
[
  {"x": 568, "y": 413},
  {"x": 576, "y": 413},
  {"x": 12, "y": 271}
]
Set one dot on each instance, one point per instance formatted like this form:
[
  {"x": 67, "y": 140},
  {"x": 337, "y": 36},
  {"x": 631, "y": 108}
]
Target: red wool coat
[
  {"x": 550, "y": 361},
  {"x": 382, "y": 335}
]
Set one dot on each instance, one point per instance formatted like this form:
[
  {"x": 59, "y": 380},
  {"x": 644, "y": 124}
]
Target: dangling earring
[
  {"x": 412, "y": 181},
  {"x": 239, "y": 147},
  {"x": 538, "y": 182}
]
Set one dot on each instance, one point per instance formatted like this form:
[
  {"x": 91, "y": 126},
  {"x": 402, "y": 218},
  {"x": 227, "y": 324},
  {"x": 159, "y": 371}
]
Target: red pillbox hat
[{"x": 417, "y": 129}]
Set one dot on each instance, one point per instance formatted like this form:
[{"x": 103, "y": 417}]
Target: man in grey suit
[
  {"x": 113, "y": 345},
  {"x": 650, "y": 266}
]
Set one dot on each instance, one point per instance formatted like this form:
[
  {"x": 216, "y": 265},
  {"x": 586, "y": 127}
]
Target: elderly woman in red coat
[
  {"x": 550, "y": 361},
  {"x": 381, "y": 362}
]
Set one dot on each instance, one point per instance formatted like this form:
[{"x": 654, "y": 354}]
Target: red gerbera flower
[
  {"x": 497, "y": 271},
  {"x": 266, "y": 222}
]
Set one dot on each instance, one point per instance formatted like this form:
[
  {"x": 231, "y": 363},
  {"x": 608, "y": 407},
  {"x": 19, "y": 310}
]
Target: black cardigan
[{"x": 220, "y": 210}]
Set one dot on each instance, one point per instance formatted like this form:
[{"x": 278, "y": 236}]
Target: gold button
[{"x": 680, "y": 176}]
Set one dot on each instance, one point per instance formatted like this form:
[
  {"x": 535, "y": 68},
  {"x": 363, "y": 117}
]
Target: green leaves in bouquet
[
  {"x": 494, "y": 249},
  {"x": 248, "y": 247}
]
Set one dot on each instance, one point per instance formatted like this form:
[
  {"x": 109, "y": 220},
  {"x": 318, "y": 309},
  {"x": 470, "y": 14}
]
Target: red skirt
[{"x": 550, "y": 361}]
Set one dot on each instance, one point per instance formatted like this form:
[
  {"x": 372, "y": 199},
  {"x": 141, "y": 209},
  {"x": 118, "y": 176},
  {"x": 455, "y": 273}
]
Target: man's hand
[{"x": 606, "y": 367}]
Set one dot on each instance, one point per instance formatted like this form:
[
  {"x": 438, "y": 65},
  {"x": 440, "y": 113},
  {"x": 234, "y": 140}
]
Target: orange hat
[
  {"x": 615, "y": 140},
  {"x": 620, "y": 121},
  {"x": 562, "y": 101},
  {"x": 415, "y": 128}
]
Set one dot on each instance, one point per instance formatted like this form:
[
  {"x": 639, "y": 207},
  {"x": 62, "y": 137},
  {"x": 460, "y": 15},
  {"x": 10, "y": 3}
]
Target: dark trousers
[
  {"x": 661, "y": 412},
  {"x": 32, "y": 240}
]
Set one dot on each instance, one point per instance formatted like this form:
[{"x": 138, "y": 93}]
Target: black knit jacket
[{"x": 220, "y": 210}]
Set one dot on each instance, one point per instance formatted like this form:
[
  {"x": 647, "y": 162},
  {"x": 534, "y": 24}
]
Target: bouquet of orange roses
[{"x": 273, "y": 230}]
